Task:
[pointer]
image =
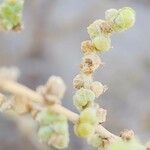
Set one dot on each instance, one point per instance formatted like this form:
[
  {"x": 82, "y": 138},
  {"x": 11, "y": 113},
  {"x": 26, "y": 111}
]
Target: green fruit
[
  {"x": 83, "y": 97},
  {"x": 102, "y": 43},
  {"x": 122, "y": 19},
  {"x": 83, "y": 129},
  {"x": 11, "y": 13},
  {"x": 88, "y": 115},
  {"x": 94, "y": 28},
  {"x": 46, "y": 117}
]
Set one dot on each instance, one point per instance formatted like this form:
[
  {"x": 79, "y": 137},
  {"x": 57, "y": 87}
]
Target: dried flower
[
  {"x": 90, "y": 63},
  {"x": 56, "y": 86},
  {"x": 88, "y": 47},
  {"x": 98, "y": 88},
  {"x": 106, "y": 28},
  {"x": 78, "y": 81},
  {"x": 82, "y": 81},
  {"x": 101, "y": 114},
  {"x": 53, "y": 91},
  {"x": 127, "y": 135}
]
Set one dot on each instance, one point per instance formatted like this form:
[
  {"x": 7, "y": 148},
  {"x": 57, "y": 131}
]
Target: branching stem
[{"x": 39, "y": 103}]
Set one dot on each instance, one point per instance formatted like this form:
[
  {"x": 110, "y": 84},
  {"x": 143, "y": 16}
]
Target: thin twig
[{"x": 38, "y": 103}]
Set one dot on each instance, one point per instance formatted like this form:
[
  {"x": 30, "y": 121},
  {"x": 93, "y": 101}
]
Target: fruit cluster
[
  {"x": 11, "y": 15},
  {"x": 53, "y": 128},
  {"x": 87, "y": 90},
  {"x": 116, "y": 21}
]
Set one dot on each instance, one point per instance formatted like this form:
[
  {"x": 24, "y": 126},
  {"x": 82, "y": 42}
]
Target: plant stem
[{"x": 38, "y": 103}]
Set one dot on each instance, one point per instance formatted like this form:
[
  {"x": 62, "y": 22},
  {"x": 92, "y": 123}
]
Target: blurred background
[{"x": 50, "y": 45}]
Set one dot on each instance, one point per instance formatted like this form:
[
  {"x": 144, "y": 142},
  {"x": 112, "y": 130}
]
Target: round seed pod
[
  {"x": 102, "y": 43},
  {"x": 88, "y": 115},
  {"x": 90, "y": 63},
  {"x": 83, "y": 129}
]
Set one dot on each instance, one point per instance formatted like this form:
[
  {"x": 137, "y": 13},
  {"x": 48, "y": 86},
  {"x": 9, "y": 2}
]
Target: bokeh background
[{"x": 50, "y": 45}]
